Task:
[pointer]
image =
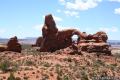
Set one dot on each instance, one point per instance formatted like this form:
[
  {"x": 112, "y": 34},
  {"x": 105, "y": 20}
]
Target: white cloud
[
  {"x": 81, "y": 4},
  {"x": 109, "y": 29},
  {"x": 73, "y": 7},
  {"x": 72, "y": 13},
  {"x": 114, "y": 0},
  {"x": 117, "y": 11}
]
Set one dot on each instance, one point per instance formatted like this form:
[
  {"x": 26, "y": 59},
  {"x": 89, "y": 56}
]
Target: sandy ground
[{"x": 33, "y": 65}]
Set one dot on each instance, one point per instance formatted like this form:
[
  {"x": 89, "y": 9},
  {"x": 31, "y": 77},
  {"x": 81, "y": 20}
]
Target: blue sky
[{"x": 25, "y": 18}]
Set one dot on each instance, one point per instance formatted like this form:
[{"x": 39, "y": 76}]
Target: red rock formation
[
  {"x": 13, "y": 45},
  {"x": 49, "y": 26},
  {"x": 65, "y": 37},
  {"x": 98, "y": 37},
  {"x": 38, "y": 42},
  {"x": 101, "y": 36},
  {"x": 49, "y": 31},
  {"x": 53, "y": 39},
  {"x": 2, "y": 48}
]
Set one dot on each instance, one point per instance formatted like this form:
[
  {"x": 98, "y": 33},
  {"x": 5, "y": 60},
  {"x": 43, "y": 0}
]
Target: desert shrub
[
  {"x": 15, "y": 66},
  {"x": 29, "y": 63},
  {"x": 57, "y": 65},
  {"x": 26, "y": 46},
  {"x": 25, "y": 78},
  {"x": 4, "y": 66},
  {"x": 28, "y": 68},
  {"x": 113, "y": 66},
  {"x": 77, "y": 74},
  {"x": 92, "y": 74},
  {"x": 84, "y": 76},
  {"x": 46, "y": 64},
  {"x": 11, "y": 77},
  {"x": 18, "y": 78},
  {"x": 65, "y": 77},
  {"x": 58, "y": 70},
  {"x": 117, "y": 55},
  {"x": 45, "y": 77},
  {"x": 68, "y": 59},
  {"x": 59, "y": 77},
  {"x": 98, "y": 63},
  {"x": 103, "y": 73}
]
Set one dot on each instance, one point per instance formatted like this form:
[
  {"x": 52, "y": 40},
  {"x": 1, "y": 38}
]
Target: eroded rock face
[
  {"x": 49, "y": 27},
  {"x": 102, "y": 36},
  {"x": 49, "y": 31},
  {"x": 3, "y": 48},
  {"x": 38, "y": 42},
  {"x": 98, "y": 37},
  {"x": 53, "y": 39},
  {"x": 13, "y": 45}
]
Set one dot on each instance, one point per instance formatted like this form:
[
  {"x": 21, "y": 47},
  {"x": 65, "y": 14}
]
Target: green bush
[{"x": 4, "y": 66}]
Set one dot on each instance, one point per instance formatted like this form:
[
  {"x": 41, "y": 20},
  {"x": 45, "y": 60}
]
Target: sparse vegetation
[
  {"x": 68, "y": 59},
  {"x": 45, "y": 77},
  {"x": 18, "y": 78},
  {"x": 25, "y": 78},
  {"x": 4, "y": 66},
  {"x": 26, "y": 46},
  {"x": 65, "y": 77},
  {"x": 117, "y": 55},
  {"x": 11, "y": 77},
  {"x": 84, "y": 75},
  {"x": 31, "y": 63},
  {"x": 98, "y": 63},
  {"x": 46, "y": 64}
]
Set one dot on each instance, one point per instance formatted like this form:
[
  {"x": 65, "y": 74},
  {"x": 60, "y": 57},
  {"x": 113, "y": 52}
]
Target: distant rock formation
[
  {"x": 13, "y": 45},
  {"x": 38, "y": 42},
  {"x": 3, "y": 48}
]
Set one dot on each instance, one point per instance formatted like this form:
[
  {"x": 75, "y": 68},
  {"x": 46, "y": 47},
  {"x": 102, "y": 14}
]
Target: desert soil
[{"x": 34, "y": 65}]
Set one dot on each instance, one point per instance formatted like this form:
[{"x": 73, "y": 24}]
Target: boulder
[
  {"x": 3, "y": 48},
  {"x": 100, "y": 36},
  {"x": 13, "y": 45}
]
